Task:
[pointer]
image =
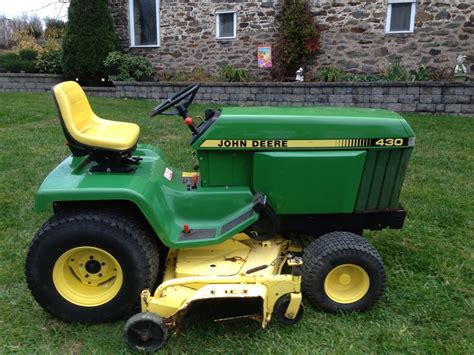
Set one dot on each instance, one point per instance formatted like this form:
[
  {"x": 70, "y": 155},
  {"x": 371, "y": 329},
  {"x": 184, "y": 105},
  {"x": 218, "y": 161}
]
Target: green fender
[{"x": 165, "y": 202}]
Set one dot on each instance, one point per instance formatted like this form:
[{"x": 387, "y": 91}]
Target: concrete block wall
[
  {"x": 431, "y": 97},
  {"x": 442, "y": 97},
  {"x": 10, "y": 82}
]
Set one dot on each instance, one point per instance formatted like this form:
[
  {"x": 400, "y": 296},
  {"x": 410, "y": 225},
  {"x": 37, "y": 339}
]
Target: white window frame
[
  {"x": 223, "y": 12},
  {"x": 131, "y": 26},
  {"x": 388, "y": 21}
]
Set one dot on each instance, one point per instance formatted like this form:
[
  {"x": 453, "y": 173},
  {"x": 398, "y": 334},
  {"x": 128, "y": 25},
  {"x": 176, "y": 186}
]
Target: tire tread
[
  {"x": 133, "y": 231},
  {"x": 332, "y": 245}
]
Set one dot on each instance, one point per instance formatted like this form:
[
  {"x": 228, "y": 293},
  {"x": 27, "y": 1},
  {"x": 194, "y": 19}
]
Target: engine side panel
[{"x": 309, "y": 182}]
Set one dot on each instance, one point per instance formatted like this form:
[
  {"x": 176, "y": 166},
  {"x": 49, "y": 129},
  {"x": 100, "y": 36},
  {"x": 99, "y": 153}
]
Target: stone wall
[
  {"x": 188, "y": 34},
  {"x": 440, "y": 97},
  {"x": 28, "y": 82},
  {"x": 352, "y": 34},
  {"x": 24, "y": 82},
  {"x": 455, "y": 98}
]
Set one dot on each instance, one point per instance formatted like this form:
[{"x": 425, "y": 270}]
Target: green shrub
[
  {"x": 231, "y": 74},
  {"x": 200, "y": 74},
  {"x": 13, "y": 63},
  {"x": 8, "y": 57},
  {"x": 331, "y": 74},
  {"x": 89, "y": 38},
  {"x": 180, "y": 76},
  {"x": 124, "y": 67},
  {"x": 28, "y": 54},
  {"x": 396, "y": 72},
  {"x": 365, "y": 77},
  {"x": 298, "y": 39},
  {"x": 54, "y": 28},
  {"x": 50, "y": 62},
  {"x": 421, "y": 74}
]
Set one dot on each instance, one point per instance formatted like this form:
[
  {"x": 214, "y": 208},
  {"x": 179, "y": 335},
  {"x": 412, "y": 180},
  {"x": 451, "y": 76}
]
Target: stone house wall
[
  {"x": 188, "y": 34},
  {"x": 352, "y": 34}
]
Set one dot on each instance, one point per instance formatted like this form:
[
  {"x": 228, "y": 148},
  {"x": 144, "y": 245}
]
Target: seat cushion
[
  {"x": 85, "y": 127},
  {"x": 110, "y": 134}
]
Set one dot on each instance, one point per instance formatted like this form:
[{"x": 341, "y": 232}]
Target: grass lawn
[{"x": 428, "y": 305}]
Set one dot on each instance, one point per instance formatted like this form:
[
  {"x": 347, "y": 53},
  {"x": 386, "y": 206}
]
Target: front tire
[
  {"x": 90, "y": 267},
  {"x": 342, "y": 271}
]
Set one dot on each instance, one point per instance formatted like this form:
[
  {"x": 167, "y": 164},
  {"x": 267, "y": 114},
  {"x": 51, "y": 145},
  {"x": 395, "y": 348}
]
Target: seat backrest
[{"x": 74, "y": 108}]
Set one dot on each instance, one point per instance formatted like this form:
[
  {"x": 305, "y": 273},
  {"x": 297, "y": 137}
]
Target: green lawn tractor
[{"x": 273, "y": 212}]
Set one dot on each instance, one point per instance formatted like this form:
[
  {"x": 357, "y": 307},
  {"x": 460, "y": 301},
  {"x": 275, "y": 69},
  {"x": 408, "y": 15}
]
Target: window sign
[{"x": 264, "y": 55}]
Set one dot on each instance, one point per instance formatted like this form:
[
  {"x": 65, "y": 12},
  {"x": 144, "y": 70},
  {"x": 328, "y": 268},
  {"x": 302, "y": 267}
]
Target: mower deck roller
[{"x": 260, "y": 173}]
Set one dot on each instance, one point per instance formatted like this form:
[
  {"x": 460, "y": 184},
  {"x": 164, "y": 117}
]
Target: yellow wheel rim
[
  {"x": 87, "y": 276},
  {"x": 347, "y": 283}
]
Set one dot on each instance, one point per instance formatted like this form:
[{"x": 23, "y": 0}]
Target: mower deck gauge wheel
[
  {"x": 145, "y": 332},
  {"x": 280, "y": 308}
]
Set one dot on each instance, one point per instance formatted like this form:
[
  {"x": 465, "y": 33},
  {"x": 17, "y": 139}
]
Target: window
[
  {"x": 144, "y": 18},
  {"x": 400, "y": 16},
  {"x": 226, "y": 24}
]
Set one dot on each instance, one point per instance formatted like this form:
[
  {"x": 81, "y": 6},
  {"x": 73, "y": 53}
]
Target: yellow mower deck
[{"x": 222, "y": 271}]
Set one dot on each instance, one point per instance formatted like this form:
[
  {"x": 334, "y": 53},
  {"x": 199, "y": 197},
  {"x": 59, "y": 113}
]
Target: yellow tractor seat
[
  {"x": 84, "y": 130},
  {"x": 110, "y": 144}
]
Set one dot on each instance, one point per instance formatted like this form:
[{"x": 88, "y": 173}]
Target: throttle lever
[{"x": 188, "y": 121}]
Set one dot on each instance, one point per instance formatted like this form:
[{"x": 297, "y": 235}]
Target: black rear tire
[
  {"x": 342, "y": 271},
  {"x": 119, "y": 247}
]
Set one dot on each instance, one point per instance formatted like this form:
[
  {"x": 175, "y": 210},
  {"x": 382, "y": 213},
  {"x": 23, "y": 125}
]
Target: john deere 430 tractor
[{"x": 130, "y": 230}]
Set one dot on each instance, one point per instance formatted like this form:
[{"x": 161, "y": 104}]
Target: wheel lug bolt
[{"x": 87, "y": 275}]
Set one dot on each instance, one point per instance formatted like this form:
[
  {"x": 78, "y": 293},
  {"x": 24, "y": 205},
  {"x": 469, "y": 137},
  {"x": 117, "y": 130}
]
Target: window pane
[
  {"x": 401, "y": 15},
  {"x": 226, "y": 25},
  {"x": 144, "y": 14}
]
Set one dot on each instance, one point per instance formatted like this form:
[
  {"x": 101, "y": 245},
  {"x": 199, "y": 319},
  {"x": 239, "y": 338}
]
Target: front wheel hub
[{"x": 87, "y": 276}]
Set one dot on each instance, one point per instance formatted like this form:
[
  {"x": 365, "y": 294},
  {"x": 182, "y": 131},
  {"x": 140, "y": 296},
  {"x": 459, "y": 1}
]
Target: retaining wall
[
  {"x": 434, "y": 97},
  {"x": 28, "y": 82},
  {"x": 449, "y": 97}
]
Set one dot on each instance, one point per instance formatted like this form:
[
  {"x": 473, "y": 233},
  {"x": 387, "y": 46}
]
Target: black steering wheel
[{"x": 174, "y": 100}]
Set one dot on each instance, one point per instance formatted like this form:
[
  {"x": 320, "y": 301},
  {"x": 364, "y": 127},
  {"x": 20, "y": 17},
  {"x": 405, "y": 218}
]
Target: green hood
[{"x": 305, "y": 123}]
